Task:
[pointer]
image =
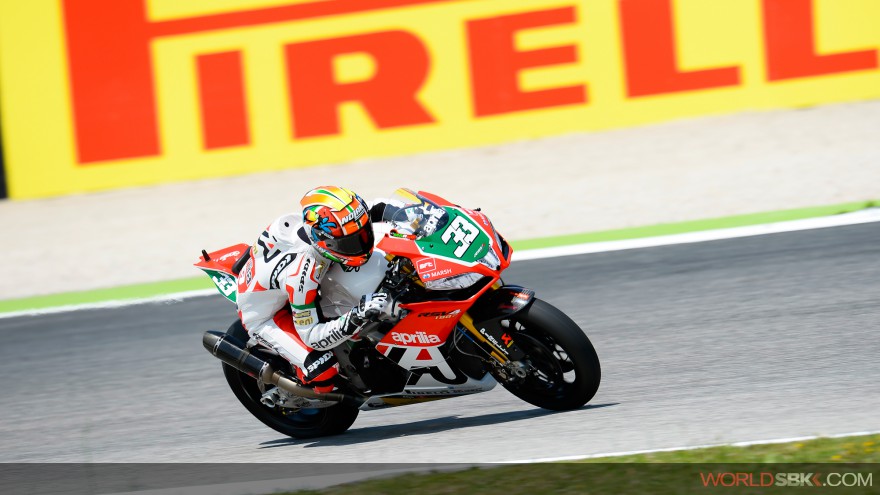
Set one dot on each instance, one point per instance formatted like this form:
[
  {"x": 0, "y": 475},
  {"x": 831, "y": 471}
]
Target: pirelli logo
[
  {"x": 122, "y": 122},
  {"x": 145, "y": 91}
]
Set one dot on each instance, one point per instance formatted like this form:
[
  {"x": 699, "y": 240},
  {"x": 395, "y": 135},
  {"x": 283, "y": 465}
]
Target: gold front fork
[{"x": 468, "y": 323}]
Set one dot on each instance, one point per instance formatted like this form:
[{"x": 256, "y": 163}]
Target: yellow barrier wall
[{"x": 99, "y": 94}]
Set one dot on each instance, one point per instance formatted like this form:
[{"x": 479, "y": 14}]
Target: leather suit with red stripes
[{"x": 278, "y": 302}]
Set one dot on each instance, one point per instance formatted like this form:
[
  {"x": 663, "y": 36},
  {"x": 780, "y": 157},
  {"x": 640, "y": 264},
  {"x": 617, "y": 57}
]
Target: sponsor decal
[
  {"x": 247, "y": 273},
  {"x": 438, "y": 273},
  {"x": 508, "y": 341},
  {"x": 355, "y": 214},
  {"x": 274, "y": 283},
  {"x": 439, "y": 315},
  {"x": 480, "y": 251},
  {"x": 425, "y": 393},
  {"x": 229, "y": 255},
  {"x": 433, "y": 219},
  {"x": 304, "y": 321},
  {"x": 303, "y": 314},
  {"x": 323, "y": 359},
  {"x": 426, "y": 265},
  {"x": 483, "y": 219},
  {"x": 304, "y": 274},
  {"x": 415, "y": 338},
  {"x": 335, "y": 336},
  {"x": 446, "y": 74},
  {"x": 494, "y": 342},
  {"x": 768, "y": 479}
]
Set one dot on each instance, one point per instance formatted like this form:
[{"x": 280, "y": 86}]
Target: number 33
[{"x": 462, "y": 233}]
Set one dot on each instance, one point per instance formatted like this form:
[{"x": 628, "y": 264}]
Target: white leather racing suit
[{"x": 278, "y": 300}]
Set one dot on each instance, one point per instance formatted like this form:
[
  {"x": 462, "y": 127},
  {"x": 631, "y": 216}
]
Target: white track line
[
  {"x": 854, "y": 218},
  {"x": 693, "y": 447},
  {"x": 165, "y": 298}
]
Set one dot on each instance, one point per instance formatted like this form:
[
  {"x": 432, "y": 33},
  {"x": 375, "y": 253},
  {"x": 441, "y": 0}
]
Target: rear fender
[{"x": 219, "y": 266}]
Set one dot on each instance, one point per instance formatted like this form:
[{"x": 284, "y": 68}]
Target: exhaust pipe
[{"x": 232, "y": 351}]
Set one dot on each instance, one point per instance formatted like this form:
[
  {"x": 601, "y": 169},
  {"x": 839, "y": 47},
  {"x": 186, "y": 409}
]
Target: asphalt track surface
[{"x": 724, "y": 341}]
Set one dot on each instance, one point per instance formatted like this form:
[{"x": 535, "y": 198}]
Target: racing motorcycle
[{"x": 459, "y": 330}]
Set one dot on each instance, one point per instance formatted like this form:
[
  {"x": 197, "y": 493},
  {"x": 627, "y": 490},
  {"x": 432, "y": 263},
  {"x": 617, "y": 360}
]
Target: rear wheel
[
  {"x": 562, "y": 367},
  {"x": 302, "y": 423}
]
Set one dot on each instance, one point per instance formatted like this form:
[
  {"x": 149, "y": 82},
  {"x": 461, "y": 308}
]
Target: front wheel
[
  {"x": 302, "y": 423},
  {"x": 562, "y": 367}
]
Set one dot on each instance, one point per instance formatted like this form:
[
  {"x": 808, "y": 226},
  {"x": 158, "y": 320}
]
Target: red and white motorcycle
[{"x": 461, "y": 330}]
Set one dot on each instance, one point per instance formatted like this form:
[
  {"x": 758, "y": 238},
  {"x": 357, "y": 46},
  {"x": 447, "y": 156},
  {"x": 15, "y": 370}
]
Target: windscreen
[{"x": 417, "y": 215}]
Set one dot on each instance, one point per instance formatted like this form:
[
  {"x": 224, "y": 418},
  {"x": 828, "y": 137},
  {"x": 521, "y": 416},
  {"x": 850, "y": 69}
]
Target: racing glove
[
  {"x": 373, "y": 307},
  {"x": 376, "y": 306}
]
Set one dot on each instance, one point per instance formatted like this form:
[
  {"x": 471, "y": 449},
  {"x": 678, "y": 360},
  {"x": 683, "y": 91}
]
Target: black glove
[{"x": 382, "y": 212}]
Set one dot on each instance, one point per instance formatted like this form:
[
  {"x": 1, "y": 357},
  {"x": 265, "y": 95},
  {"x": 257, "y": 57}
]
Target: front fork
[{"x": 483, "y": 324}]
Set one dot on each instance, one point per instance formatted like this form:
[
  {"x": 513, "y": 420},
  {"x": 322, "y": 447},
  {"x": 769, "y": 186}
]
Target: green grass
[
  {"x": 662, "y": 472},
  {"x": 848, "y": 449},
  {"x": 136, "y": 291},
  {"x": 139, "y": 291}
]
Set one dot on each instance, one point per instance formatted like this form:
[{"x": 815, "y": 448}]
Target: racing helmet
[{"x": 338, "y": 222}]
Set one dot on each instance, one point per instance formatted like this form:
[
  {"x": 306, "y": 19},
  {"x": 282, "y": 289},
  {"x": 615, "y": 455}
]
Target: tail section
[{"x": 221, "y": 266}]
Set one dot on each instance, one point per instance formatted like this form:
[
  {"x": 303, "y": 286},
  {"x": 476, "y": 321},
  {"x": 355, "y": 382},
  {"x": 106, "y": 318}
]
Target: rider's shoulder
[{"x": 288, "y": 231}]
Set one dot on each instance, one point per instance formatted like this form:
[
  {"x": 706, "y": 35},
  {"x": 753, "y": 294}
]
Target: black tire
[
  {"x": 565, "y": 368},
  {"x": 305, "y": 423}
]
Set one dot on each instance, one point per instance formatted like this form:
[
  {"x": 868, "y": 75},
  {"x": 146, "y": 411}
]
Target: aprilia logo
[
  {"x": 418, "y": 338},
  {"x": 328, "y": 341},
  {"x": 229, "y": 255}
]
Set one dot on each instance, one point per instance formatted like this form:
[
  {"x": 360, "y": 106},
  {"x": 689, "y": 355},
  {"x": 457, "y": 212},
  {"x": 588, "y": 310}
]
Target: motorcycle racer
[{"x": 278, "y": 287}]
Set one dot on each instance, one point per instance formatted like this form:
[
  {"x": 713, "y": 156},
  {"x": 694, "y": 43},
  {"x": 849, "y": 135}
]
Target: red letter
[
  {"x": 389, "y": 96},
  {"x": 111, "y": 73},
  {"x": 649, "y": 53},
  {"x": 221, "y": 89},
  {"x": 731, "y": 476},
  {"x": 709, "y": 478},
  {"x": 496, "y": 63},
  {"x": 111, "y": 78},
  {"x": 790, "y": 44}
]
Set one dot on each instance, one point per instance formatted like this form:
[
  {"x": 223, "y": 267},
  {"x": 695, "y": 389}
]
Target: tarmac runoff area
[{"x": 691, "y": 169}]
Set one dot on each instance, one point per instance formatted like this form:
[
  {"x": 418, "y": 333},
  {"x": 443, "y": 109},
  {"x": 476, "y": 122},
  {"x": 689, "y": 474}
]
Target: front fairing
[{"x": 451, "y": 247}]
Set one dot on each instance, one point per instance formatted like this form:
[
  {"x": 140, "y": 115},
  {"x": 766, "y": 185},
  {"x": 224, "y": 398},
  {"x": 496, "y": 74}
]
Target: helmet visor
[{"x": 357, "y": 244}]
